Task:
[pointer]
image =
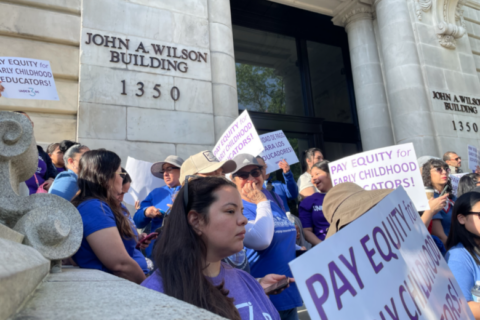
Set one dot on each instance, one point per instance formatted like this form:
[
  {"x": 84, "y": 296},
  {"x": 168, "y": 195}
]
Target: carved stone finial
[
  {"x": 49, "y": 223},
  {"x": 422, "y": 6}
]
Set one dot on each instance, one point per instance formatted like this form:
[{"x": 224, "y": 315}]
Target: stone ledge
[{"x": 9, "y": 234}]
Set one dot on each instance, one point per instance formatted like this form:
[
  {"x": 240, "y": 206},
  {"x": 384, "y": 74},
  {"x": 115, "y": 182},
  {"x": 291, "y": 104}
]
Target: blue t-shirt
[
  {"x": 276, "y": 257},
  {"x": 287, "y": 190},
  {"x": 445, "y": 215},
  {"x": 65, "y": 185},
  {"x": 97, "y": 215},
  {"x": 159, "y": 198},
  {"x": 464, "y": 269}
]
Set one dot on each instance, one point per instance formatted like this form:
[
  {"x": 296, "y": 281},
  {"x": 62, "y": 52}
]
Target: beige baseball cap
[{"x": 204, "y": 162}]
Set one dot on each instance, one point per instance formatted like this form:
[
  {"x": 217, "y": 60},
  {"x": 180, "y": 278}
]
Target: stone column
[
  {"x": 372, "y": 106},
  {"x": 409, "y": 105}
]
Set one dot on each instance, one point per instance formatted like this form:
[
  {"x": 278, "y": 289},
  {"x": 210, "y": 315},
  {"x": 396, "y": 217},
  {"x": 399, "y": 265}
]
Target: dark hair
[
  {"x": 65, "y": 145},
  {"x": 51, "y": 147},
  {"x": 97, "y": 169},
  {"x": 180, "y": 253},
  {"x": 322, "y": 165},
  {"x": 308, "y": 154},
  {"x": 446, "y": 155},
  {"x": 427, "y": 177},
  {"x": 467, "y": 183},
  {"x": 458, "y": 232},
  {"x": 126, "y": 178}
]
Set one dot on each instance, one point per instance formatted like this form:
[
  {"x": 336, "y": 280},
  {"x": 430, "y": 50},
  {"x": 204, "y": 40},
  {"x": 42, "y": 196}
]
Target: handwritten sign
[
  {"x": 143, "y": 181},
  {"x": 384, "y": 168},
  {"x": 277, "y": 148},
  {"x": 473, "y": 158},
  {"x": 240, "y": 137},
  {"x": 25, "y": 78},
  {"x": 384, "y": 265},
  {"x": 455, "y": 179}
]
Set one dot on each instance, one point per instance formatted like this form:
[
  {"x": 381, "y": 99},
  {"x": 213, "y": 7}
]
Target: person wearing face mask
[
  {"x": 463, "y": 245},
  {"x": 206, "y": 225},
  {"x": 281, "y": 248},
  {"x": 109, "y": 238},
  {"x": 156, "y": 204},
  {"x": 305, "y": 186},
  {"x": 435, "y": 176},
  {"x": 205, "y": 164},
  {"x": 310, "y": 210},
  {"x": 65, "y": 184}
]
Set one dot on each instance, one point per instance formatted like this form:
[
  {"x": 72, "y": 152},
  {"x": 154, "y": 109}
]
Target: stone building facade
[{"x": 149, "y": 78}]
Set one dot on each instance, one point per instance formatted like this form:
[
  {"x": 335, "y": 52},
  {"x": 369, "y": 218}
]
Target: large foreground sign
[
  {"x": 25, "y": 78},
  {"x": 384, "y": 265},
  {"x": 384, "y": 168}
]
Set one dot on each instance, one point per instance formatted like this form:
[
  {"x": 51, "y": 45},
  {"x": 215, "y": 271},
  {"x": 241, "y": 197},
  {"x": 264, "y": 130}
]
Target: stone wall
[{"x": 46, "y": 30}]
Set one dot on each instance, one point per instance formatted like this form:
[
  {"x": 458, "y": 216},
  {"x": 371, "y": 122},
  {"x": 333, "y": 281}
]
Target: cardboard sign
[
  {"x": 384, "y": 265},
  {"x": 240, "y": 137},
  {"x": 473, "y": 158},
  {"x": 143, "y": 181},
  {"x": 455, "y": 179},
  {"x": 384, "y": 168},
  {"x": 25, "y": 78},
  {"x": 277, "y": 148}
]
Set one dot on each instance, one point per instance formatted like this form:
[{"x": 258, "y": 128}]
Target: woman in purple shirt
[
  {"x": 206, "y": 225},
  {"x": 310, "y": 210}
]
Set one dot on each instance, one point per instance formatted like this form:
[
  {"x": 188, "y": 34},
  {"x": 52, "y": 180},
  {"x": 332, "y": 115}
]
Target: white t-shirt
[{"x": 305, "y": 181}]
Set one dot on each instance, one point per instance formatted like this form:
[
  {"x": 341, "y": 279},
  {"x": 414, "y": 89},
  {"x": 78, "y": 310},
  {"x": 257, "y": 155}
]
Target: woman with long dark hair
[
  {"x": 435, "y": 176},
  {"x": 310, "y": 157},
  {"x": 463, "y": 246},
  {"x": 205, "y": 225},
  {"x": 108, "y": 239}
]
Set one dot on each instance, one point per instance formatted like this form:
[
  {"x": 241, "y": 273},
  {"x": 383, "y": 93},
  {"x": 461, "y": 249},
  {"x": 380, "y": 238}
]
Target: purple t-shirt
[
  {"x": 40, "y": 174},
  {"x": 310, "y": 212},
  {"x": 249, "y": 297}
]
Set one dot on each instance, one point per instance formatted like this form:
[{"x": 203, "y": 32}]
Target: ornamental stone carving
[
  {"x": 49, "y": 223},
  {"x": 448, "y": 19},
  {"x": 354, "y": 11}
]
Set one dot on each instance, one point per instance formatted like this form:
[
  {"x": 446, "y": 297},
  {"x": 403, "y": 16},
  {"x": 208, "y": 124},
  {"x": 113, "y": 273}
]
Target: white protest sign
[
  {"x": 240, "y": 137},
  {"x": 384, "y": 265},
  {"x": 143, "y": 182},
  {"x": 473, "y": 158},
  {"x": 25, "y": 78},
  {"x": 455, "y": 179},
  {"x": 277, "y": 148},
  {"x": 384, "y": 168}
]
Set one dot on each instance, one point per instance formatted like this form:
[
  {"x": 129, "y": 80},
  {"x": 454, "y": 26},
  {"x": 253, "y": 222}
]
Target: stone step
[{"x": 10, "y": 234}]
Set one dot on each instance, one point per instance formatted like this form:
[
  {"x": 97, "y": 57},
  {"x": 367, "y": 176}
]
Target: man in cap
[
  {"x": 348, "y": 201},
  {"x": 205, "y": 164},
  {"x": 155, "y": 205}
]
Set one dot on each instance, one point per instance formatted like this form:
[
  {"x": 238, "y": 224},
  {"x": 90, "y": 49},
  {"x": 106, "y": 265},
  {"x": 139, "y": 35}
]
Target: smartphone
[
  {"x": 151, "y": 236},
  {"x": 444, "y": 190},
  {"x": 277, "y": 286}
]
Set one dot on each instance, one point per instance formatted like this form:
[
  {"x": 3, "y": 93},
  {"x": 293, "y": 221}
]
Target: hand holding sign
[{"x": 284, "y": 166}]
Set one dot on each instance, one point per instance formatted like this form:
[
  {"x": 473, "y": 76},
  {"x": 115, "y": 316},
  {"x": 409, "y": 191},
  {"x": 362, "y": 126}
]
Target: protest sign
[
  {"x": 473, "y": 158},
  {"x": 143, "y": 181},
  {"x": 277, "y": 148},
  {"x": 384, "y": 265},
  {"x": 455, "y": 179},
  {"x": 240, "y": 137},
  {"x": 384, "y": 168},
  {"x": 25, "y": 78}
]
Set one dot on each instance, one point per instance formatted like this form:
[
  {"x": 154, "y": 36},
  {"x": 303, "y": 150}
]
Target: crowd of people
[{"x": 220, "y": 234}]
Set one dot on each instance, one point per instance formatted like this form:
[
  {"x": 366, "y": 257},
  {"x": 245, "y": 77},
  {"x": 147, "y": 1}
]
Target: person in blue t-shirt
[
  {"x": 158, "y": 202},
  {"x": 286, "y": 191},
  {"x": 275, "y": 257},
  {"x": 109, "y": 241},
  {"x": 463, "y": 245}
]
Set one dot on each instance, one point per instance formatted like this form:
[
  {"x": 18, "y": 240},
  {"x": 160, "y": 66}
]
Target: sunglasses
[
  {"x": 169, "y": 169},
  {"x": 441, "y": 169},
  {"x": 456, "y": 159},
  {"x": 244, "y": 175},
  {"x": 122, "y": 174}
]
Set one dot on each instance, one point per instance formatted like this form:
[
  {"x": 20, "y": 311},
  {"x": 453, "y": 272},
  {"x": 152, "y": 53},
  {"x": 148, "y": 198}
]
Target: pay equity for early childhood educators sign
[
  {"x": 383, "y": 266},
  {"x": 240, "y": 137},
  {"x": 277, "y": 148},
  {"x": 25, "y": 78},
  {"x": 384, "y": 168}
]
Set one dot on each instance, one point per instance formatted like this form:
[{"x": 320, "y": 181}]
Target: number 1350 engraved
[
  {"x": 174, "y": 92},
  {"x": 465, "y": 127}
]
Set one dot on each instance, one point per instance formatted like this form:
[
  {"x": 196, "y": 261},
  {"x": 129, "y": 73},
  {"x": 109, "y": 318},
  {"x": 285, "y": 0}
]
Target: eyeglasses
[
  {"x": 456, "y": 159},
  {"x": 185, "y": 189},
  {"x": 244, "y": 175},
  {"x": 440, "y": 169},
  {"x": 476, "y": 213},
  {"x": 169, "y": 170}
]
